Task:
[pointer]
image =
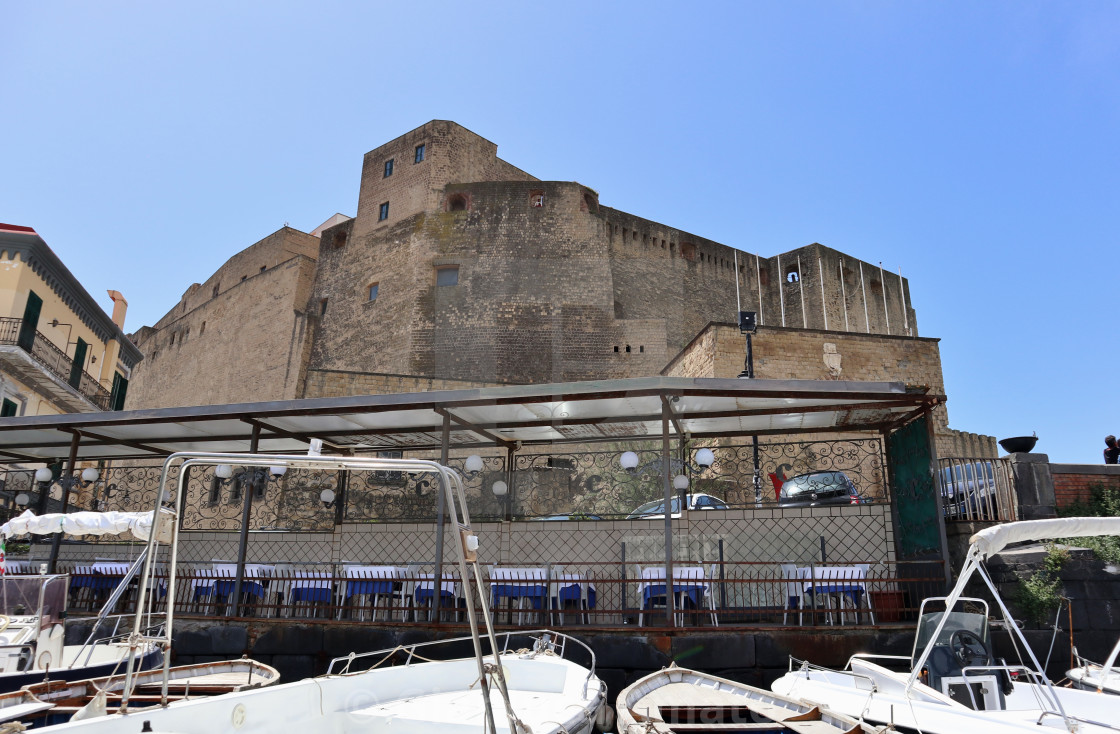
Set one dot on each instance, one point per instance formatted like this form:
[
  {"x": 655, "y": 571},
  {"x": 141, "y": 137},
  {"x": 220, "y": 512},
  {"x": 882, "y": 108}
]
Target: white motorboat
[
  {"x": 33, "y": 609},
  {"x": 952, "y": 683},
  {"x": 1092, "y": 676},
  {"x": 532, "y": 689},
  {"x": 682, "y": 701}
]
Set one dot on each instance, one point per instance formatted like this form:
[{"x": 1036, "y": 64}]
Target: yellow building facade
[{"x": 59, "y": 351}]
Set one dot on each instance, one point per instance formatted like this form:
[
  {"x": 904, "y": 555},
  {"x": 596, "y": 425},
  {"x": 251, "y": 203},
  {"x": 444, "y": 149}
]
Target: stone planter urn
[{"x": 1018, "y": 444}]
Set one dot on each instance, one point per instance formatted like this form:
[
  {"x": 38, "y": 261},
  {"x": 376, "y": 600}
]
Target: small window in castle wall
[
  {"x": 243, "y": 277},
  {"x": 202, "y": 329},
  {"x": 388, "y": 168},
  {"x": 457, "y": 203},
  {"x": 322, "y": 307},
  {"x": 383, "y": 212},
  {"x": 264, "y": 268},
  {"x": 628, "y": 349},
  {"x": 373, "y": 292},
  {"x": 447, "y": 275},
  {"x": 216, "y": 287},
  {"x": 616, "y": 350},
  {"x": 339, "y": 240},
  {"x": 419, "y": 157},
  {"x": 172, "y": 339},
  {"x": 792, "y": 275},
  {"x": 536, "y": 199},
  {"x": 688, "y": 251},
  {"x": 641, "y": 349}
]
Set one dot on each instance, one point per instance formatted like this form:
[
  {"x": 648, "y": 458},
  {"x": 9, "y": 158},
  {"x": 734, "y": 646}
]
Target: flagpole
[
  {"x": 801, "y": 287},
  {"x": 863, "y": 294},
  {"x": 824, "y": 311}
]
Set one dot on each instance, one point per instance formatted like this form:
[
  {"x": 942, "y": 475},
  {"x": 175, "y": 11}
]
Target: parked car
[
  {"x": 656, "y": 508},
  {"x": 967, "y": 488},
  {"x": 819, "y": 488}
]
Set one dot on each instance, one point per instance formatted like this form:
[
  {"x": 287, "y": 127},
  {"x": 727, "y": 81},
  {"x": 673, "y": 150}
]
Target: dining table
[
  {"x": 689, "y": 582},
  {"x": 424, "y": 590},
  {"x": 520, "y": 585},
  {"x": 844, "y": 583},
  {"x": 373, "y": 582}
]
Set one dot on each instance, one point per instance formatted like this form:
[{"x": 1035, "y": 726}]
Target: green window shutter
[
  {"x": 30, "y": 321},
  {"x": 76, "y": 367},
  {"x": 8, "y": 409},
  {"x": 120, "y": 389}
]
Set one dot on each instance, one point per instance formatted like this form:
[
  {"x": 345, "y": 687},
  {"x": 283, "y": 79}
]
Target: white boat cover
[
  {"x": 139, "y": 524},
  {"x": 991, "y": 541}
]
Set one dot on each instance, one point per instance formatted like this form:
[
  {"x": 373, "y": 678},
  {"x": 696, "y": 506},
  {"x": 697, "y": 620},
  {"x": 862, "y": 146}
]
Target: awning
[{"x": 562, "y": 413}]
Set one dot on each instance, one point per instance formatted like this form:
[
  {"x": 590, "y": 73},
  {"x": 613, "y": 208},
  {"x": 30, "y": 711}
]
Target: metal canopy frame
[
  {"x": 562, "y": 413},
  {"x": 510, "y": 417}
]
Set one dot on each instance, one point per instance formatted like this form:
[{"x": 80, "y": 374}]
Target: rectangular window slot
[
  {"x": 447, "y": 276},
  {"x": 419, "y": 153},
  {"x": 383, "y": 212},
  {"x": 388, "y": 168}
]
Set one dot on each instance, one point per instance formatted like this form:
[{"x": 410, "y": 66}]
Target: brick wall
[
  {"x": 1072, "y": 481},
  {"x": 799, "y": 354},
  {"x": 338, "y": 383},
  {"x": 247, "y": 343}
]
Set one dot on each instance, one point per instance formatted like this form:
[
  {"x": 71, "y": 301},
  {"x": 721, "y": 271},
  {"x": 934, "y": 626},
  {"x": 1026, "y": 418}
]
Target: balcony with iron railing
[{"x": 54, "y": 361}]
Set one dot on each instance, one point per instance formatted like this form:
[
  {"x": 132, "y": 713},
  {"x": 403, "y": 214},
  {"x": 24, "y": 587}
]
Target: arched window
[{"x": 457, "y": 203}]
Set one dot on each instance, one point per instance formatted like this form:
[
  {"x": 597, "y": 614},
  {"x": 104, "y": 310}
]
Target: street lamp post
[{"x": 747, "y": 327}]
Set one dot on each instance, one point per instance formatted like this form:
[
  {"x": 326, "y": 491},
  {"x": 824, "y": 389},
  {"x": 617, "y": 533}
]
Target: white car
[{"x": 656, "y": 508}]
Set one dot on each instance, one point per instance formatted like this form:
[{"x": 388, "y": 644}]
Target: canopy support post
[
  {"x": 441, "y": 509},
  {"x": 665, "y": 454},
  {"x": 243, "y": 539},
  {"x": 67, "y": 481}
]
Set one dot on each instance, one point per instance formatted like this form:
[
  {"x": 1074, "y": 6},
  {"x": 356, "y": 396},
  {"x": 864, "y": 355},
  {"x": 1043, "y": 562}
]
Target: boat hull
[
  {"x": 679, "y": 699},
  {"x": 549, "y": 694},
  {"x": 15, "y": 681}
]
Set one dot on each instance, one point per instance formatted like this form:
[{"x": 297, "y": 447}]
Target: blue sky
[{"x": 972, "y": 145}]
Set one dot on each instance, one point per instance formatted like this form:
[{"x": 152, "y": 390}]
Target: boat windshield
[
  {"x": 20, "y": 596},
  {"x": 970, "y": 621}
]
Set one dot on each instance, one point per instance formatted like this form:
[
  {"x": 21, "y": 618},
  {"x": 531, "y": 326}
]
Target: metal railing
[
  {"x": 601, "y": 595},
  {"x": 977, "y": 489},
  {"x": 55, "y": 361}
]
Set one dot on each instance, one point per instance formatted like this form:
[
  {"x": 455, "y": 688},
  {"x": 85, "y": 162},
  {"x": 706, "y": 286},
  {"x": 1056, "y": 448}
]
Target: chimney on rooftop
[{"x": 120, "y": 306}]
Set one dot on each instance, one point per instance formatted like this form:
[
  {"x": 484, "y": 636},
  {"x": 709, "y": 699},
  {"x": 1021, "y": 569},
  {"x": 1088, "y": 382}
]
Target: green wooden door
[{"x": 917, "y": 523}]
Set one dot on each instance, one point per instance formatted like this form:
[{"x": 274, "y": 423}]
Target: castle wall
[
  {"x": 339, "y": 383},
  {"x": 800, "y": 354},
  {"x": 452, "y": 154},
  {"x": 534, "y": 300},
  {"x": 247, "y": 343},
  {"x": 550, "y": 287}
]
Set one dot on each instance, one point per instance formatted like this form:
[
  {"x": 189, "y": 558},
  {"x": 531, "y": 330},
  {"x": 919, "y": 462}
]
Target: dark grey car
[{"x": 819, "y": 488}]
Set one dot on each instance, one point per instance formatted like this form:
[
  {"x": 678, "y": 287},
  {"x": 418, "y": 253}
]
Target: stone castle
[{"x": 460, "y": 269}]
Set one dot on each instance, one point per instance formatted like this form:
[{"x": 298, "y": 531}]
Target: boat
[
  {"x": 952, "y": 683},
  {"x": 682, "y": 701},
  {"x": 33, "y": 609},
  {"x": 56, "y": 701},
  {"x": 1090, "y": 676},
  {"x": 527, "y": 685}
]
